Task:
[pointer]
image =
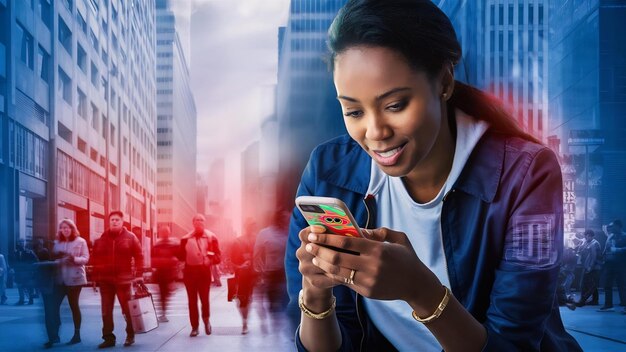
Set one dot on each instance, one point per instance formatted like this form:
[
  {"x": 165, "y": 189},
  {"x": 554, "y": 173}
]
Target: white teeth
[{"x": 389, "y": 153}]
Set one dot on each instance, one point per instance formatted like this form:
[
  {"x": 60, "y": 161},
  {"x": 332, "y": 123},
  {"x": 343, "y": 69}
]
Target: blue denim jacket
[{"x": 502, "y": 226}]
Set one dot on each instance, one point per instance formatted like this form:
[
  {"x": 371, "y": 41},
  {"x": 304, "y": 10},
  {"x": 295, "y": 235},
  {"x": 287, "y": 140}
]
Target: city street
[{"x": 22, "y": 328}]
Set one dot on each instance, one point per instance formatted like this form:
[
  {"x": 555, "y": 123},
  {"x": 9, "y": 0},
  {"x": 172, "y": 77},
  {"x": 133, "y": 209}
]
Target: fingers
[
  {"x": 353, "y": 244},
  {"x": 337, "y": 273},
  {"x": 384, "y": 234}
]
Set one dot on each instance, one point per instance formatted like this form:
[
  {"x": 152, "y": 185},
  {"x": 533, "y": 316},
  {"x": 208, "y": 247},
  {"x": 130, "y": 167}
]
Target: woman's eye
[
  {"x": 396, "y": 106},
  {"x": 355, "y": 113}
]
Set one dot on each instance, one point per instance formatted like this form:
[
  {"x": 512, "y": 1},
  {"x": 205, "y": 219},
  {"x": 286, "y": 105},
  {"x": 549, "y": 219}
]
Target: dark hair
[
  {"x": 617, "y": 222},
  {"x": 425, "y": 37},
  {"x": 116, "y": 212},
  {"x": 589, "y": 232},
  {"x": 72, "y": 225}
]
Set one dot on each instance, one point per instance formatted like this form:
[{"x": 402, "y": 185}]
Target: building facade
[
  {"x": 588, "y": 100},
  {"x": 78, "y": 116},
  {"x": 505, "y": 52},
  {"x": 176, "y": 128},
  {"x": 307, "y": 109}
]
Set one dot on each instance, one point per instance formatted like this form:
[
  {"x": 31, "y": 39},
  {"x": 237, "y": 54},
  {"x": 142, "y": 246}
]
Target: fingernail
[
  {"x": 315, "y": 261},
  {"x": 312, "y": 237},
  {"x": 308, "y": 247}
]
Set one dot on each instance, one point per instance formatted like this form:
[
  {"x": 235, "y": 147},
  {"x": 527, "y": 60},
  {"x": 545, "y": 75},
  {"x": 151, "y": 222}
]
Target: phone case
[{"x": 331, "y": 213}]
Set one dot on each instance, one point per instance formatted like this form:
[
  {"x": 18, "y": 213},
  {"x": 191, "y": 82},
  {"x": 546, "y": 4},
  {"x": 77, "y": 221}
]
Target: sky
[{"x": 233, "y": 64}]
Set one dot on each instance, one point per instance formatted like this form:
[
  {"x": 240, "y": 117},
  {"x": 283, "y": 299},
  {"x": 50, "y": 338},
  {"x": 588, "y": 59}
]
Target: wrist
[
  {"x": 425, "y": 300},
  {"x": 316, "y": 299}
]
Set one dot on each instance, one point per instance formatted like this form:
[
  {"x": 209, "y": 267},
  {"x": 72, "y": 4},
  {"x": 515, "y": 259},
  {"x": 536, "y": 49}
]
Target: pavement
[{"x": 22, "y": 327}]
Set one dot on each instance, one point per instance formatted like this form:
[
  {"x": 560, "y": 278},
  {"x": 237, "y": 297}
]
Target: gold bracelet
[
  {"x": 312, "y": 315},
  {"x": 438, "y": 311}
]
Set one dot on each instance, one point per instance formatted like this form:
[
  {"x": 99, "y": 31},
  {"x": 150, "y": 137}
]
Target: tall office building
[
  {"x": 176, "y": 127},
  {"x": 505, "y": 51},
  {"x": 588, "y": 100},
  {"x": 78, "y": 116},
  {"x": 307, "y": 108}
]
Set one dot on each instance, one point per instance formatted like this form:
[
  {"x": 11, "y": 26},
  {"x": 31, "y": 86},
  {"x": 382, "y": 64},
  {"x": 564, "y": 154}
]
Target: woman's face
[
  {"x": 389, "y": 108},
  {"x": 66, "y": 230}
]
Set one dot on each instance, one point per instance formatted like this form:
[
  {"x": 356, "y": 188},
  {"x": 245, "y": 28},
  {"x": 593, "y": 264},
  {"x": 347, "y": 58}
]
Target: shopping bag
[
  {"x": 142, "y": 311},
  {"x": 232, "y": 288}
]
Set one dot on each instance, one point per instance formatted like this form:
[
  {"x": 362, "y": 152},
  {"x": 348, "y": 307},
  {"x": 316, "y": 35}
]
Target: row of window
[
  {"x": 78, "y": 178},
  {"x": 530, "y": 14},
  {"x": 27, "y": 151}
]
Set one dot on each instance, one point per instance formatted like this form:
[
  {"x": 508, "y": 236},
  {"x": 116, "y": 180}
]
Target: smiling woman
[{"x": 451, "y": 191}]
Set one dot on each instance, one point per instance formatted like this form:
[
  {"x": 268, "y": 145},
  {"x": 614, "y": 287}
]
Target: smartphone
[{"x": 331, "y": 213}]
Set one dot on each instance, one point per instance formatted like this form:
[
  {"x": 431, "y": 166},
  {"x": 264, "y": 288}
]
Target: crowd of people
[
  {"x": 116, "y": 259},
  {"x": 597, "y": 265}
]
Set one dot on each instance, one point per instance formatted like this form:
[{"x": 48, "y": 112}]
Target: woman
[
  {"x": 450, "y": 190},
  {"x": 245, "y": 275},
  {"x": 72, "y": 254}
]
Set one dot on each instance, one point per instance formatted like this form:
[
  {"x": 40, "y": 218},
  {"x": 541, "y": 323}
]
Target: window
[
  {"x": 540, "y": 17},
  {"x": 93, "y": 155},
  {"x": 64, "y": 132},
  {"x": 29, "y": 151},
  {"x": 81, "y": 58},
  {"x": 45, "y": 13},
  {"x": 27, "y": 48},
  {"x": 95, "y": 75},
  {"x": 94, "y": 116},
  {"x": 501, "y": 14},
  {"x": 530, "y": 14},
  {"x": 82, "y": 145},
  {"x": 82, "y": 103},
  {"x": 104, "y": 126},
  {"x": 112, "y": 135},
  {"x": 520, "y": 14},
  {"x": 44, "y": 65},
  {"x": 65, "y": 86},
  {"x": 94, "y": 41},
  {"x": 510, "y": 14},
  {"x": 65, "y": 36},
  {"x": 80, "y": 20}
]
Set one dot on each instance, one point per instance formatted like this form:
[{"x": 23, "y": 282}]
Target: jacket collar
[{"x": 480, "y": 176}]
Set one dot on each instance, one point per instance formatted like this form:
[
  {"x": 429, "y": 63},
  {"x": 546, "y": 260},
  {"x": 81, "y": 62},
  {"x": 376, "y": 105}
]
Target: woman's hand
[
  {"x": 316, "y": 285},
  {"x": 387, "y": 267}
]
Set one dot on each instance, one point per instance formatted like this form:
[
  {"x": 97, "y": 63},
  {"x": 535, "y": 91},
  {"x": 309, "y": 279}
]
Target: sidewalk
[{"x": 22, "y": 327}]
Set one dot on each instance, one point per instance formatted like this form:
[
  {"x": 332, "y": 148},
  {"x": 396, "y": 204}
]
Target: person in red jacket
[{"x": 113, "y": 256}]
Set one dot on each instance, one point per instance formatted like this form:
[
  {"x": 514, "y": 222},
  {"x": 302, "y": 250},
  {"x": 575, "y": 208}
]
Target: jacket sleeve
[
  {"x": 83, "y": 258},
  {"x": 138, "y": 255},
  {"x": 523, "y": 294}
]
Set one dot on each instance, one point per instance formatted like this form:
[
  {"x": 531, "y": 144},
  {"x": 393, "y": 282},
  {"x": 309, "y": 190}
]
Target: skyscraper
[
  {"x": 588, "y": 100},
  {"x": 505, "y": 51},
  {"x": 307, "y": 109},
  {"x": 78, "y": 95},
  {"x": 176, "y": 127}
]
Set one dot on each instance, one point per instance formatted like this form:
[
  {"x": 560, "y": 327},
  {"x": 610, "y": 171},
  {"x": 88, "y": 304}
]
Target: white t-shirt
[{"x": 422, "y": 224}]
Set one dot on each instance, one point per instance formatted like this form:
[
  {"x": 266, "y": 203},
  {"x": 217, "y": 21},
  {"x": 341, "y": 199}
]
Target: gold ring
[
  {"x": 346, "y": 280},
  {"x": 351, "y": 279}
]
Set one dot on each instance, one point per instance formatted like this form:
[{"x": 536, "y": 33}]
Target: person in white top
[{"x": 71, "y": 255}]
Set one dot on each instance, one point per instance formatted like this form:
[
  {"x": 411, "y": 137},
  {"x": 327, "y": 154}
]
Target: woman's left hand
[{"x": 387, "y": 267}]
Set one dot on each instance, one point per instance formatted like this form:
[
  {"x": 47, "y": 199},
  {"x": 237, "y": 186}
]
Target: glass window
[
  {"x": 81, "y": 58},
  {"x": 44, "y": 65},
  {"x": 95, "y": 116},
  {"x": 82, "y": 103},
  {"x": 82, "y": 24},
  {"x": 65, "y": 86},
  {"x": 26, "y": 46},
  {"x": 95, "y": 75},
  {"x": 45, "y": 13},
  {"x": 65, "y": 36}
]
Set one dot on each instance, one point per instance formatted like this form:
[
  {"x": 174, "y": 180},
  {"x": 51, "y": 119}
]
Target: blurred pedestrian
[
  {"x": 614, "y": 265},
  {"x": 46, "y": 279},
  {"x": 166, "y": 264},
  {"x": 71, "y": 254},
  {"x": 4, "y": 273},
  {"x": 269, "y": 257},
  {"x": 590, "y": 254},
  {"x": 24, "y": 271},
  {"x": 241, "y": 256},
  {"x": 199, "y": 250},
  {"x": 113, "y": 256}
]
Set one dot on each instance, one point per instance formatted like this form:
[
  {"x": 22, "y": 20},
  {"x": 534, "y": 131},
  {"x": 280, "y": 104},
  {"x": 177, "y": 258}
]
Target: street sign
[{"x": 585, "y": 137}]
